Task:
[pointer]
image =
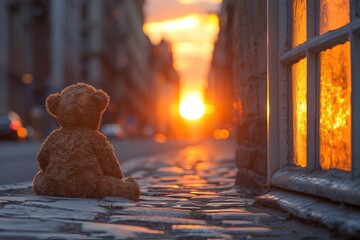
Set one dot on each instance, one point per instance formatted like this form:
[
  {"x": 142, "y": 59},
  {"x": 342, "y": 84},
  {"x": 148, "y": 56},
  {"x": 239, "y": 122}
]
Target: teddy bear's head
[{"x": 78, "y": 105}]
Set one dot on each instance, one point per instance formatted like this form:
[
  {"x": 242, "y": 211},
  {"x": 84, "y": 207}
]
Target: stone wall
[{"x": 249, "y": 44}]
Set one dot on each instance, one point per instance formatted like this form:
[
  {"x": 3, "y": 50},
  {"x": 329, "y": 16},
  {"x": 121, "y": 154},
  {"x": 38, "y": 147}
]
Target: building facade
[
  {"x": 167, "y": 89},
  {"x": 296, "y": 94},
  {"x": 47, "y": 45},
  {"x": 237, "y": 85},
  {"x": 312, "y": 62},
  {"x": 219, "y": 93}
]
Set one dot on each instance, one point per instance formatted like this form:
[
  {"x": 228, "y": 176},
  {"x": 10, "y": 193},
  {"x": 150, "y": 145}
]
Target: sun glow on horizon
[
  {"x": 192, "y": 106},
  {"x": 195, "y": 1},
  {"x": 191, "y": 27},
  {"x": 192, "y": 38}
]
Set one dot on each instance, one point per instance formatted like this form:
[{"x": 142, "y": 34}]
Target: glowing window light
[
  {"x": 298, "y": 22},
  {"x": 335, "y": 108},
  {"x": 299, "y": 95},
  {"x": 330, "y": 21}
]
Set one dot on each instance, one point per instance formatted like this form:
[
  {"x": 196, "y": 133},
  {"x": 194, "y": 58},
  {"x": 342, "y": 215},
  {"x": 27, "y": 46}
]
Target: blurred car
[
  {"x": 11, "y": 127},
  {"x": 113, "y": 131}
]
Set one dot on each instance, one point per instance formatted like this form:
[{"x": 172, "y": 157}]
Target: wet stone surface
[{"x": 186, "y": 194}]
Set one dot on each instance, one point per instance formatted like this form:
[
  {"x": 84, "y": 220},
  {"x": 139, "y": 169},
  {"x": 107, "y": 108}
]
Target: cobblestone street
[{"x": 186, "y": 194}]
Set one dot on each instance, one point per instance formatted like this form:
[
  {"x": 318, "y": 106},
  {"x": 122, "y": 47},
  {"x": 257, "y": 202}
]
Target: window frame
[{"x": 335, "y": 184}]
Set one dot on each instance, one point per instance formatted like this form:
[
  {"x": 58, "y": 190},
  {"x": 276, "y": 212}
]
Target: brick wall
[
  {"x": 239, "y": 61},
  {"x": 249, "y": 43}
]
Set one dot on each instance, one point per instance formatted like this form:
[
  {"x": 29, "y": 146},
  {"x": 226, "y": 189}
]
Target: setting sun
[{"x": 192, "y": 106}]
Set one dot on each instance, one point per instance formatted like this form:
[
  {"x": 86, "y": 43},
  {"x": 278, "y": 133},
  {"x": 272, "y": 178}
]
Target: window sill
[
  {"x": 334, "y": 185},
  {"x": 337, "y": 217}
]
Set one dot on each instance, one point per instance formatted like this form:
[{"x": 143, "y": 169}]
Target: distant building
[
  {"x": 47, "y": 45},
  {"x": 25, "y": 59},
  {"x": 220, "y": 91},
  {"x": 167, "y": 88}
]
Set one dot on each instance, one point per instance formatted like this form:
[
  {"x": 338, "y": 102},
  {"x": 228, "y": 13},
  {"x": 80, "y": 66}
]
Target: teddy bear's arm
[
  {"x": 108, "y": 161},
  {"x": 44, "y": 153},
  {"x": 43, "y": 157}
]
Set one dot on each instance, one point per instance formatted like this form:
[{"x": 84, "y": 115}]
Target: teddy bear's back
[{"x": 72, "y": 160}]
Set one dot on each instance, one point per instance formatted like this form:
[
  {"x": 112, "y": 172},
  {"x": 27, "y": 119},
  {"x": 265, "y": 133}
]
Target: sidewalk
[{"x": 186, "y": 194}]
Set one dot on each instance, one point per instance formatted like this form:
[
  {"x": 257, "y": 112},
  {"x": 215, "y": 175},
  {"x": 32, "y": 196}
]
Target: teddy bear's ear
[
  {"x": 101, "y": 99},
  {"x": 52, "y": 102}
]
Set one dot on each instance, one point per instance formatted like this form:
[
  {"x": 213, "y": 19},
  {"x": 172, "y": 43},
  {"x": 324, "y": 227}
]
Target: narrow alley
[{"x": 185, "y": 194}]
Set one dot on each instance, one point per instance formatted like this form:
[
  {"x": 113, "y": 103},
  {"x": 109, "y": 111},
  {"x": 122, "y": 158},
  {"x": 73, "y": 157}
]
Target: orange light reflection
[
  {"x": 335, "y": 108},
  {"x": 299, "y": 22},
  {"x": 299, "y": 83},
  {"x": 329, "y": 20}
]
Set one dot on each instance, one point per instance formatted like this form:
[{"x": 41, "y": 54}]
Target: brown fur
[{"x": 76, "y": 160}]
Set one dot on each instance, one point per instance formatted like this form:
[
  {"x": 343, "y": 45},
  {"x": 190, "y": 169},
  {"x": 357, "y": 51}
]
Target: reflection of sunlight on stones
[
  {"x": 194, "y": 185},
  {"x": 203, "y": 193},
  {"x": 226, "y": 204},
  {"x": 152, "y": 211},
  {"x": 165, "y": 186},
  {"x": 206, "y": 165},
  {"x": 220, "y": 181},
  {"x": 237, "y": 223},
  {"x": 171, "y": 169},
  {"x": 199, "y": 231},
  {"x": 167, "y": 178},
  {"x": 119, "y": 231},
  {"x": 192, "y": 180},
  {"x": 181, "y": 195},
  {"x": 191, "y": 177},
  {"x": 167, "y": 199},
  {"x": 231, "y": 174},
  {"x": 195, "y": 152},
  {"x": 154, "y": 219},
  {"x": 223, "y": 210},
  {"x": 216, "y": 188}
]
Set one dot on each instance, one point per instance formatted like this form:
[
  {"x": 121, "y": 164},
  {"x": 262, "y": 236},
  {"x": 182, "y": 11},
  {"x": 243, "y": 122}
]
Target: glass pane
[
  {"x": 335, "y": 108},
  {"x": 298, "y": 22},
  {"x": 299, "y": 93},
  {"x": 333, "y": 14}
]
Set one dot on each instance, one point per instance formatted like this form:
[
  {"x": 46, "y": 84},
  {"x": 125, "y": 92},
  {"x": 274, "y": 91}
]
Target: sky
[{"x": 191, "y": 26}]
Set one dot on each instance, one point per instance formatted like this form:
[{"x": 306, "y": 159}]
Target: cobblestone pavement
[{"x": 186, "y": 194}]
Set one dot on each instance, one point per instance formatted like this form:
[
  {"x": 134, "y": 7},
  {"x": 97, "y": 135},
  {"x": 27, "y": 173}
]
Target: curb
[{"x": 16, "y": 186}]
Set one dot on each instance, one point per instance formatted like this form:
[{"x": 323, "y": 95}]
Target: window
[
  {"x": 335, "y": 108},
  {"x": 313, "y": 97},
  {"x": 298, "y": 29},
  {"x": 299, "y": 101},
  {"x": 333, "y": 14}
]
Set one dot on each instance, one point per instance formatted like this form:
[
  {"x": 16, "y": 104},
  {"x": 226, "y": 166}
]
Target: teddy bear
[{"x": 76, "y": 160}]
